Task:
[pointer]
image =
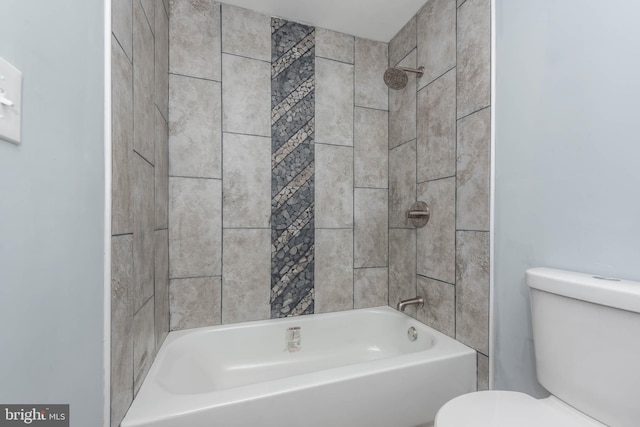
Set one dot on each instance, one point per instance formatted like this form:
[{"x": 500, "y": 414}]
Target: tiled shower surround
[
  {"x": 290, "y": 170},
  {"x": 247, "y": 134},
  {"x": 278, "y": 167}
]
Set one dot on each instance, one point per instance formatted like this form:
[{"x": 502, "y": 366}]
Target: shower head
[{"x": 396, "y": 78}]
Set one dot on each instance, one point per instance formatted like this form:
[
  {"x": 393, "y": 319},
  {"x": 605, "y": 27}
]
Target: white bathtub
[{"x": 355, "y": 368}]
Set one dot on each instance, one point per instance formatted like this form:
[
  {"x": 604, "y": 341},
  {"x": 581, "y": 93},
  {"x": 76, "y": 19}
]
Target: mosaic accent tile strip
[
  {"x": 292, "y": 99},
  {"x": 303, "y": 135},
  {"x": 292, "y": 168},
  {"x": 293, "y": 55}
]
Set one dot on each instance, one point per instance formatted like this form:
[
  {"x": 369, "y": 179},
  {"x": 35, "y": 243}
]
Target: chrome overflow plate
[{"x": 412, "y": 334}]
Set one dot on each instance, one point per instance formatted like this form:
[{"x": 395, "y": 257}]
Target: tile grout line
[
  {"x": 353, "y": 180},
  {"x": 388, "y": 185},
  {"x": 455, "y": 207},
  {"x": 187, "y": 76},
  {"x": 221, "y": 179},
  {"x": 473, "y": 112}
]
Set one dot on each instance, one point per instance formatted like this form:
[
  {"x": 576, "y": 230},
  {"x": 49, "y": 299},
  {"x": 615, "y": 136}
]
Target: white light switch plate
[{"x": 10, "y": 102}]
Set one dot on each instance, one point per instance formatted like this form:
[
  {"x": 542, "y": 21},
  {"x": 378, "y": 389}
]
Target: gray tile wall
[
  {"x": 439, "y": 147},
  {"x": 140, "y": 162},
  {"x": 221, "y": 227}
]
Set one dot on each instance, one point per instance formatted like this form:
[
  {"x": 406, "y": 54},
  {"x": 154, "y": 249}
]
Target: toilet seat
[{"x": 510, "y": 409}]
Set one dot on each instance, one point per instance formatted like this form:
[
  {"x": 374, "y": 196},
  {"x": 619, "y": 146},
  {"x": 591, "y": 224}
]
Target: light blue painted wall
[
  {"x": 52, "y": 208},
  {"x": 567, "y": 156}
]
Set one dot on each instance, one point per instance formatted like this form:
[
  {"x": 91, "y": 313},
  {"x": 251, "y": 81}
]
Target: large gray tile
[
  {"x": 483, "y": 372},
  {"x": 439, "y": 310},
  {"x": 143, "y": 227},
  {"x": 371, "y": 228},
  {"x": 161, "y": 294},
  {"x": 334, "y": 45},
  {"x": 246, "y": 96},
  {"x": 371, "y": 62},
  {"x": 436, "y": 27},
  {"x": 472, "y": 289},
  {"x": 333, "y": 186},
  {"x": 122, "y": 24},
  {"x": 195, "y": 235},
  {"x": 474, "y": 140},
  {"x": 437, "y": 240},
  {"x": 474, "y": 56},
  {"x": 333, "y": 270},
  {"x": 403, "y": 42},
  {"x": 334, "y": 102},
  {"x": 194, "y": 302},
  {"x": 161, "y": 171},
  {"x": 402, "y": 267},
  {"x": 162, "y": 61},
  {"x": 246, "y": 282},
  {"x": 194, "y": 128},
  {"x": 402, "y": 183},
  {"x": 194, "y": 38},
  {"x": 370, "y": 287},
  {"x": 246, "y": 33},
  {"x": 437, "y": 129},
  {"x": 402, "y": 108},
  {"x": 143, "y": 85},
  {"x": 371, "y": 152},
  {"x": 121, "y": 327},
  {"x": 246, "y": 181},
  {"x": 122, "y": 140},
  {"x": 144, "y": 343}
]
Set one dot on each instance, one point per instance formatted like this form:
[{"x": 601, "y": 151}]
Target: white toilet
[{"x": 586, "y": 332}]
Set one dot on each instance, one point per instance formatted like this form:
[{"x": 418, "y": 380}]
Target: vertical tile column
[
  {"x": 402, "y": 170},
  {"x": 436, "y": 163},
  {"x": 293, "y": 168},
  {"x": 246, "y": 167},
  {"x": 371, "y": 179},
  {"x": 334, "y": 171},
  {"x": 140, "y": 307},
  {"x": 473, "y": 180},
  {"x": 195, "y": 164}
]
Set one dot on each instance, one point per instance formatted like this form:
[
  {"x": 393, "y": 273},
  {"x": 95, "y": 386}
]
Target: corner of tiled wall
[
  {"x": 140, "y": 262},
  {"x": 402, "y": 170},
  {"x": 439, "y": 137}
]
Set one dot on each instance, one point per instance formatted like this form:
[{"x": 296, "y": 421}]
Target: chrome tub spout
[{"x": 419, "y": 301}]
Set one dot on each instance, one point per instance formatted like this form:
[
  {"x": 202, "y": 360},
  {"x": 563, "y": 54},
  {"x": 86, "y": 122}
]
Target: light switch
[{"x": 10, "y": 102}]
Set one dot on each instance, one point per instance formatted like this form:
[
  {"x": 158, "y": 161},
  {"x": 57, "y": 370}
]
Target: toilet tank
[{"x": 586, "y": 332}]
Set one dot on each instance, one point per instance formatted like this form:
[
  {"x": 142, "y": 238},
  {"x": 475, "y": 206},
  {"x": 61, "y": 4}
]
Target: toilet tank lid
[{"x": 617, "y": 293}]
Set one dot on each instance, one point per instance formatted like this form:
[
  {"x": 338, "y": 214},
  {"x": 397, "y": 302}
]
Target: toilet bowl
[
  {"x": 585, "y": 333},
  {"x": 510, "y": 409}
]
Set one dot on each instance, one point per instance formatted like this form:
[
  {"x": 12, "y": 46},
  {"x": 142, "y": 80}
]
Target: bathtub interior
[
  {"x": 360, "y": 363},
  {"x": 210, "y": 359}
]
